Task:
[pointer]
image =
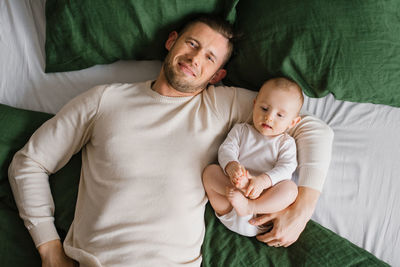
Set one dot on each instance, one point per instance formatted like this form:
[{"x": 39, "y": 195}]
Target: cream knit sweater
[{"x": 141, "y": 200}]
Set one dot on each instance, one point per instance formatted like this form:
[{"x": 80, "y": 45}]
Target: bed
[{"x": 357, "y": 219}]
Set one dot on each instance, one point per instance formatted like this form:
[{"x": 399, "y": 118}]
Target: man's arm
[
  {"x": 314, "y": 146},
  {"x": 52, "y": 254},
  {"x": 290, "y": 222},
  {"x": 48, "y": 150}
]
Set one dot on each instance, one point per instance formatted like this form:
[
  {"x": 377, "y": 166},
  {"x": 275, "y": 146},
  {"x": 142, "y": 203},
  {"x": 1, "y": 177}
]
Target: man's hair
[{"x": 219, "y": 25}]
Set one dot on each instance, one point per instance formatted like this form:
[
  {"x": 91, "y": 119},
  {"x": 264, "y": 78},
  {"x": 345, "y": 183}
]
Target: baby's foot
[{"x": 239, "y": 202}]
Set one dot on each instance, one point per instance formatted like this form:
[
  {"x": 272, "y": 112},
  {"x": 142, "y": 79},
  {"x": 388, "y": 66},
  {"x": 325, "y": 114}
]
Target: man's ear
[
  {"x": 173, "y": 36},
  {"x": 218, "y": 76}
]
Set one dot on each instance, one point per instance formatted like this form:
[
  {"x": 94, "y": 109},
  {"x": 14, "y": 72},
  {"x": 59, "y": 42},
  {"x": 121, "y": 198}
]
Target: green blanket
[{"x": 317, "y": 246}]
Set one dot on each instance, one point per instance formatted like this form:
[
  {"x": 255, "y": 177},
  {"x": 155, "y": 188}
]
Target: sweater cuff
[
  {"x": 311, "y": 177},
  {"x": 274, "y": 179},
  {"x": 43, "y": 232}
]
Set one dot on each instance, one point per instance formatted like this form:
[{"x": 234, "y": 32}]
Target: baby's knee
[
  {"x": 208, "y": 176},
  {"x": 211, "y": 173},
  {"x": 210, "y": 169},
  {"x": 291, "y": 188}
]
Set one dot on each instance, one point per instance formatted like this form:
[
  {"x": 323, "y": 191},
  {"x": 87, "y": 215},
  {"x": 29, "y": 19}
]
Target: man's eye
[
  {"x": 264, "y": 109},
  {"x": 192, "y": 44},
  {"x": 211, "y": 59}
]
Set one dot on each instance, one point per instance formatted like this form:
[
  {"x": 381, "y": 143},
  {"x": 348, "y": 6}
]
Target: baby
[{"x": 257, "y": 161}]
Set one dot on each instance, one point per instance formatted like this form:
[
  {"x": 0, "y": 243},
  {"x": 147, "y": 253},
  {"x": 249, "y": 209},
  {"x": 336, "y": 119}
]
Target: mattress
[{"x": 360, "y": 197}]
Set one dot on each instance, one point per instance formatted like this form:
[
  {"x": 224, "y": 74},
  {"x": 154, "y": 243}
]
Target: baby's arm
[
  {"x": 286, "y": 162},
  {"x": 284, "y": 167},
  {"x": 228, "y": 155}
]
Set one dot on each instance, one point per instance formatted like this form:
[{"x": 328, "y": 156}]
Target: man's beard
[{"x": 178, "y": 83}]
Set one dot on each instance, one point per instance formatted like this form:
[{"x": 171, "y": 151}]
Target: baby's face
[{"x": 275, "y": 110}]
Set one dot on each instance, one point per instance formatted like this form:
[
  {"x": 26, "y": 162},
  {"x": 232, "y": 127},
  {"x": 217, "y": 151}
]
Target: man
[{"x": 141, "y": 200}]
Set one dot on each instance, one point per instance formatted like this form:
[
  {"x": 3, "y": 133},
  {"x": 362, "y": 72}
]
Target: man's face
[{"x": 195, "y": 58}]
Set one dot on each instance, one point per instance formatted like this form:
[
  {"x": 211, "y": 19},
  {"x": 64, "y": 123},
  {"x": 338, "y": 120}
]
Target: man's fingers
[
  {"x": 268, "y": 238},
  {"x": 262, "y": 219},
  {"x": 272, "y": 239},
  {"x": 288, "y": 243}
]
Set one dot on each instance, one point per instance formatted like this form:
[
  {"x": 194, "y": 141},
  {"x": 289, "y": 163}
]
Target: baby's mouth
[{"x": 266, "y": 126}]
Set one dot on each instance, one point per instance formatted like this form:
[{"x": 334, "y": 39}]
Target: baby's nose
[{"x": 268, "y": 117}]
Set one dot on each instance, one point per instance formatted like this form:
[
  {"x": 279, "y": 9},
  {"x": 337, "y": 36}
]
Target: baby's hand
[
  {"x": 243, "y": 181},
  {"x": 238, "y": 175},
  {"x": 257, "y": 186},
  {"x": 234, "y": 170}
]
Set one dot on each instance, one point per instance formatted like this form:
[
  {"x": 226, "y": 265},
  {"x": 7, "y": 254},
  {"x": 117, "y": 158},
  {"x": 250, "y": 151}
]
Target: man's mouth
[{"x": 187, "y": 69}]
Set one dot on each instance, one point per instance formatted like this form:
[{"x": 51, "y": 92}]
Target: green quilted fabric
[
  {"x": 80, "y": 34},
  {"x": 316, "y": 246},
  {"x": 348, "y": 48}
]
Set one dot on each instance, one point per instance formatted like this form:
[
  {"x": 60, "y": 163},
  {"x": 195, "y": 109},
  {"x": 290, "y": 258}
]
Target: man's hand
[
  {"x": 257, "y": 185},
  {"x": 290, "y": 222},
  {"x": 52, "y": 255}
]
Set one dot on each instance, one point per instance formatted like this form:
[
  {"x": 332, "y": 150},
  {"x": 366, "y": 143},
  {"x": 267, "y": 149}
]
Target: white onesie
[{"x": 275, "y": 156}]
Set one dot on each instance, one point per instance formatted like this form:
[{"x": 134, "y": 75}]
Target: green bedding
[
  {"x": 80, "y": 34},
  {"x": 317, "y": 246},
  {"x": 348, "y": 48}
]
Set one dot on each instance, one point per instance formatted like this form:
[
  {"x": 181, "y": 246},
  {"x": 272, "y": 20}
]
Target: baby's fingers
[
  {"x": 239, "y": 172},
  {"x": 255, "y": 194},
  {"x": 249, "y": 190}
]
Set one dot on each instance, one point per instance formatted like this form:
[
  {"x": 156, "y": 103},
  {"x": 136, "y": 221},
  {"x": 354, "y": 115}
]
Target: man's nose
[{"x": 195, "y": 57}]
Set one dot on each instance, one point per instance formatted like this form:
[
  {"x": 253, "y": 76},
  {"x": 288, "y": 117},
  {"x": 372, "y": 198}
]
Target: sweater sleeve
[
  {"x": 231, "y": 104},
  {"x": 286, "y": 163},
  {"x": 229, "y": 149},
  {"x": 314, "y": 147},
  {"x": 47, "y": 151}
]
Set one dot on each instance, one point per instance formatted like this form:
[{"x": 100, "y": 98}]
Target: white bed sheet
[
  {"x": 23, "y": 82},
  {"x": 361, "y": 194},
  {"x": 360, "y": 199}
]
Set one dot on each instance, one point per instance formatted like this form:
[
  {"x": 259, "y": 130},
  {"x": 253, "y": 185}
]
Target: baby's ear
[{"x": 295, "y": 121}]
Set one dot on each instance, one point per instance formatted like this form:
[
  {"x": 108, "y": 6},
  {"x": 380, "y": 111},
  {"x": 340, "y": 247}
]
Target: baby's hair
[{"x": 288, "y": 84}]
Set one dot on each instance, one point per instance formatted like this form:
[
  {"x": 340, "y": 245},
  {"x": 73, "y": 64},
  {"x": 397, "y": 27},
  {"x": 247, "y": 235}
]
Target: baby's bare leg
[
  {"x": 239, "y": 202},
  {"x": 215, "y": 182},
  {"x": 276, "y": 198}
]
